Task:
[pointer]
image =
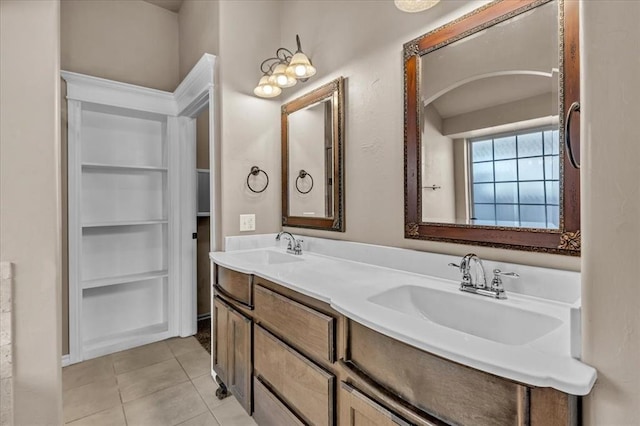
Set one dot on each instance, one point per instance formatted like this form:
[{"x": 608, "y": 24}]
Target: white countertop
[{"x": 347, "y": 285}]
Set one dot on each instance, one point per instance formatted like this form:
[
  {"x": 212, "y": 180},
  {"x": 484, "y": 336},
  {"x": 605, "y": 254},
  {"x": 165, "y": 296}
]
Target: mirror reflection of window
[
  {"x": 489, "y": 124},
  {"x": 514, "y": 179}
]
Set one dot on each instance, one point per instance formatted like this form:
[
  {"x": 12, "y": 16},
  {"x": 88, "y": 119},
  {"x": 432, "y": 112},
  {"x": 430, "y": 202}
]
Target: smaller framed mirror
[{"x": 313, "y": 159}]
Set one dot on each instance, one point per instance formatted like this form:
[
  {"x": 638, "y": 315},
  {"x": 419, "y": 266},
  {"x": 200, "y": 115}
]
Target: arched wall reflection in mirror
[
  {"x": 485, "y": 98},
  {"x": 312, "y": 159}
]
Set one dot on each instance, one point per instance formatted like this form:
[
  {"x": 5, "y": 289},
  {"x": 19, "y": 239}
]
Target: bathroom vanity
[{"x": 355, "y": 338}]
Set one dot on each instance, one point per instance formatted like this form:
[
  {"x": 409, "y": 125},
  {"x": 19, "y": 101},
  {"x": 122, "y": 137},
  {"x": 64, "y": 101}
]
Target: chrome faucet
[
  {"x": 478, "y": 284},
  {"x": 293, "y": 246}
]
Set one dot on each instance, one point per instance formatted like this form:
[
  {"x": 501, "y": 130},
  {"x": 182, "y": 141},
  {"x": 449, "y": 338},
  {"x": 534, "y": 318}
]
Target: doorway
[{"x": 203, "y": 244}]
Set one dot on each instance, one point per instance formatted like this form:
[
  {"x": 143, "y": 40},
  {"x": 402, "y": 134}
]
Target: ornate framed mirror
[
  {"x": 486, "y": 102},
  {"x": 313, "y": 159}
]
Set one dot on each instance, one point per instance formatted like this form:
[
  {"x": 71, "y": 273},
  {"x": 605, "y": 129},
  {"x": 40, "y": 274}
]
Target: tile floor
[{"x": 165, "y": 383}]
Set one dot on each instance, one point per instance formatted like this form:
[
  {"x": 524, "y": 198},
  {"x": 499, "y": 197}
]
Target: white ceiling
[
  {"x": 172, "y": 5},
  {"x": 492, "y": 91},
  {"x": 511, "y": 61}
]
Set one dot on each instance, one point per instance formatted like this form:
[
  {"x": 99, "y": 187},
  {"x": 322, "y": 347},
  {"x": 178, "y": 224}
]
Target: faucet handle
[
  {"x": 463, "y": 267},
  {"x": 499, "y": 273},
  {"x": 496, "y": 282}
]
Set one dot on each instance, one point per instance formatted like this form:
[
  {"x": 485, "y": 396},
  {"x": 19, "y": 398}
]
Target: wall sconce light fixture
[
  {"x": 283, "y": 70},
  {"x": 412, "y": 6}
]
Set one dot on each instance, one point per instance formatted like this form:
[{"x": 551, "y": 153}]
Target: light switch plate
[{"x": 247, "y": 222}]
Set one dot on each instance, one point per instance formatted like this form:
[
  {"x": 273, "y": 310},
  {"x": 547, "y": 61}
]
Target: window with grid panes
[{"x": 515, "y": 179}]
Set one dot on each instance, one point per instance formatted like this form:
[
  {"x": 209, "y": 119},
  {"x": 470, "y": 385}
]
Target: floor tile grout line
[
  {"x": 92, "y": 414},
  {"x": 197, "y": 415},
  {"x": 116, "y": 374},
  {"x": 145, "y": 366},
  {"x": 202, "y": 398},
  {"x": 124, "y": 415},
  {"x": 93, "y": 380},
  {"x": 156, "y": 391}
]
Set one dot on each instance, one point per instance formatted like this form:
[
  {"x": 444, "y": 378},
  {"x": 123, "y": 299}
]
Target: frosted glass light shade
[
  {"x": 300, "y": 66},
  {"x": 266, "y": 89},
  {"x": 281, "y": 78},
  {"x": 413, "y": 6}
]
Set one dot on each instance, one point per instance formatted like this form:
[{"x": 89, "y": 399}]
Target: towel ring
[
  {"x": 303, "y": 175},
  {"x": 255, "y": 170}
]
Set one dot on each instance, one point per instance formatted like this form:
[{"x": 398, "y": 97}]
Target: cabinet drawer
[
  {"x": 304, "y": 386},
  {"x": 268, "y": 410},
  {"x": 357, "y": 408},
  {"x": 446, "y": 390},
  {"x": 234, "y": 285},
  {"x": 306, "y": 329}
]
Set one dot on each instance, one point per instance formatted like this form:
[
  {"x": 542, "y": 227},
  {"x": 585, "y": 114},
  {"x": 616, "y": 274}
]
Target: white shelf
[
  {"x": 113, "y": 167},
  {"x": 124, "y": 223},
  {"x": 123, "y": 279},
  {"x": 125, "y": 339}
]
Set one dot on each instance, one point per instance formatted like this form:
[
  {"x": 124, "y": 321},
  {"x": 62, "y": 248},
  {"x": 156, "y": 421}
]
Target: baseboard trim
[
  {"x": 204, "y": 316},
  {"x": 66, "y": 360}
]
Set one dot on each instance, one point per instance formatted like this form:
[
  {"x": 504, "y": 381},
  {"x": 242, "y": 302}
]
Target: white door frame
[{"x": 193, "y": 95}]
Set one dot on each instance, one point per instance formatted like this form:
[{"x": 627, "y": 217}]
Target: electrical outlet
[{"x": 247, "y": 222}]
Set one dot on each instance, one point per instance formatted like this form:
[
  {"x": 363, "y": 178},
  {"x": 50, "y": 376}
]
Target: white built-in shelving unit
[
  {"x": 119, "y": 209},
  {"x": 132, "y": 207}
]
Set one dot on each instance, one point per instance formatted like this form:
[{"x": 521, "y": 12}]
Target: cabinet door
[
  {"x": 239, "y": 358},
  {"x": 220, "y": 338},
  {"x": 358, "y": 409}
]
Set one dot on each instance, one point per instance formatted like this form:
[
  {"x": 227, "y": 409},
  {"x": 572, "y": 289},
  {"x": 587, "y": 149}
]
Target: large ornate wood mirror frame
[
  {"x": 566, "y": 239},
  {"x": 331, "y": 93}
]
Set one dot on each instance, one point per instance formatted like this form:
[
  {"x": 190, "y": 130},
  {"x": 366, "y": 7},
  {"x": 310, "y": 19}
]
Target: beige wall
[
  {"x": 461, "y": 177},
  {"x": 611, "y": 209},
  {"x": 438, "y": 163},
  {"x": 199, "y": 32},
  {"x": 30, "y": 225},
  {"x": 124, "y": 40},
  {"x": 250, "y": 126},
  {"x": 371, "y": 60}
]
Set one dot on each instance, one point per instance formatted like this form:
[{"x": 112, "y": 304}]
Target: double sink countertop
[{"x": 527, "y": 338}]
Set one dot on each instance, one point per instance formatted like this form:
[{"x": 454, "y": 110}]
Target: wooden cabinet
[
  {"x": 233, "y": 351},
  {"x": 313, "y": 366},
  {"x": 304, "y": 386},
  {"x": 439, "y": 387}
]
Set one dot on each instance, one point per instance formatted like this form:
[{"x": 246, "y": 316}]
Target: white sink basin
[
  {"x": 472, "y": 314},
  {"x": 266, "y": 257}
]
